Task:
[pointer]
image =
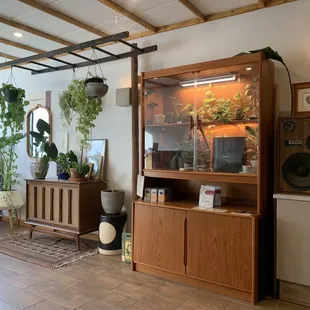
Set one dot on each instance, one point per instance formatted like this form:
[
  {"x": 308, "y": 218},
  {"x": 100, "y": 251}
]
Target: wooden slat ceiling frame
[
  {"x": 114, "y": 6},
  {"x": 193, "y": 9},
  {"x": 48, "y": 10},
  {"x": 170, "y": 27}
]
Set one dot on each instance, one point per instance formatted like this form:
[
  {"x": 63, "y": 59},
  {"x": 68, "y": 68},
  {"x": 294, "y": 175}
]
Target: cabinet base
[{"x": 213, "y": 287}]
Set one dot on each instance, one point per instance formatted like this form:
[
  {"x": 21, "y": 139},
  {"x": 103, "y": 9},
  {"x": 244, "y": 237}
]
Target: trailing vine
[
  {"x": 12, "y": 115},
  {"x": 75, "y": 103}
]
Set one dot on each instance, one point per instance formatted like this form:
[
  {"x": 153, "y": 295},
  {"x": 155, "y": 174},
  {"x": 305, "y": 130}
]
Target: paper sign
[{"x": 140, "y": 185}]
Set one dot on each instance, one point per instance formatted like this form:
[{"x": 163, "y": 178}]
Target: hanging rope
[
  {"x": 73, "y": 74},
  {"x": 94, "y": 59},
  {"x": 11, "y": 78}
]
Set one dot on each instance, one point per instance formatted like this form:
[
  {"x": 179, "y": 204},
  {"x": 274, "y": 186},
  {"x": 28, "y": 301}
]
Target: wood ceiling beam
[
  {"x": 21, "y": 46},
  {"x": 114, "y": 6},
  {"x": 34, "y": 31},
  {"x": 193, "y": 9},
  {"x": 48, "y": 10},
  {"x": 7, "y": 56},
  {"x": 263, "y": 2}
]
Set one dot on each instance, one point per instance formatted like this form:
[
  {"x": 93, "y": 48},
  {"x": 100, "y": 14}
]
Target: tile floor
[{"x": 100, "y": 283}]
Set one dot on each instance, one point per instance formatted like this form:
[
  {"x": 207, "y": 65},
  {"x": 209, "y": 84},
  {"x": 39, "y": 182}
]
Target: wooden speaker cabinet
[
  {"x": 294, "y": 155},
  {"x": 65, "y": 208}
]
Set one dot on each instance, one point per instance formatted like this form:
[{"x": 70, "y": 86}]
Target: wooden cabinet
[
  {"x": 70, "y": 209},
  {"x": 159, "y": 237},
  {"x": 219, "y": 249}
]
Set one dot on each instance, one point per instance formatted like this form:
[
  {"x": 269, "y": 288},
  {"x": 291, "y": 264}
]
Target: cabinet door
[
  {"x": 159, "y": 237},
  {"x": 219, "y": 249}
]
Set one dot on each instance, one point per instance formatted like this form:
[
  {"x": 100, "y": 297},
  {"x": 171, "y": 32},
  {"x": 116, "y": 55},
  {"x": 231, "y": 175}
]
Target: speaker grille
[{"x": 296, "y": 171}]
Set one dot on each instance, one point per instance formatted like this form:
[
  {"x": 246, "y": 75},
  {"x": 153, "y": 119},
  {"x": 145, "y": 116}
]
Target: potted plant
[
  {"x": 46, "y": 151},
  {"x": 75, "y": 102},
  {"x": 78, "y": 171},
  {"x": 247, "y": 103},
  {"x": 252, "y": 137},
  {"x": 10, "y": 92},
  {"x": 12, "y": 115},
  {"x": 112, "y": 200},
  {"x": 64, "y": 163},
  {"x": 96, "y": 87}
]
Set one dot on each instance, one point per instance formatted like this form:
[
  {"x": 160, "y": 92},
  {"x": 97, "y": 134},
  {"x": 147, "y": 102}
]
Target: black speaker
[
  {"x": 294, "y": 155},
  {"x": 228, "y": 154}
]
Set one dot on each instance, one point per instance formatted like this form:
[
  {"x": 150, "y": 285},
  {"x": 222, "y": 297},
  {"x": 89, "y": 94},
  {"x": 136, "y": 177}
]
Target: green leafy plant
[
  {"x": 247, "y": 103},
  {"x": 12, "y": 115},
  {"x": 252, "y": 137},
  {"x": 46, "y": 151},
  {"x": 65, "y": 161},
  {"x": 75, "y": 103},
  {"x": 223, "y": 110},
  {"x": 82, "y": 169}
]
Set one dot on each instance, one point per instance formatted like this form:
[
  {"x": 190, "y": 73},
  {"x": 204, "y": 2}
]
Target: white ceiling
[{"x": 92, "y": 12}]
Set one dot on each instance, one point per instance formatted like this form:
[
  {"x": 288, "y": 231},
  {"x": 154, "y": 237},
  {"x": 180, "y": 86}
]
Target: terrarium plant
[
  {"x": 223, "y": 110},
  {"x": 252, "y": 138},
  {"x": 74, "y": 102},
  {"x": 64, "y": 163},
  {"x": 45, "y": 150},
  {"x": 247, "y": 104},
  {"x": 12, "y": 115}
]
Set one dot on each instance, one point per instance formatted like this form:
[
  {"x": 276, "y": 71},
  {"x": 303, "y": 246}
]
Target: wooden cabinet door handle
[{"x": 185, "y": 242}]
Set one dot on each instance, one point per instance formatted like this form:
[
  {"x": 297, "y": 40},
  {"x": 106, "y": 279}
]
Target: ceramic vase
[
  {"x": 112, "y": 202},
  {"x": 38, "y": 169}
]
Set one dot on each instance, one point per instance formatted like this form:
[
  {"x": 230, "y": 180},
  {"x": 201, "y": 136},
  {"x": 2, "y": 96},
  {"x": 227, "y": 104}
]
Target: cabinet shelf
[
  {"x": 240, "y": 178},
  {"x": 232, "y": 209}
]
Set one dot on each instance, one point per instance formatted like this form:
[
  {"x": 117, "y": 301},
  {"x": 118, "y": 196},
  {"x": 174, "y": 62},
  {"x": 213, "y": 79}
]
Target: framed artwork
[
  {"x": 301, "y": 106},
  {"x": 95, "y": 154}
]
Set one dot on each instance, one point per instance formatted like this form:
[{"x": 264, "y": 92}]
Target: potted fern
[{"x": 12, "y": 115}]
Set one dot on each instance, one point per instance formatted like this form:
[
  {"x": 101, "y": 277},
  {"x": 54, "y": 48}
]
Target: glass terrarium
[{"x": 203, "y": 121}]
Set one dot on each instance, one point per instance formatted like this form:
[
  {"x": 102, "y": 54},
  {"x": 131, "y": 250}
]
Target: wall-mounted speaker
[{"x": 294, "y": 155}]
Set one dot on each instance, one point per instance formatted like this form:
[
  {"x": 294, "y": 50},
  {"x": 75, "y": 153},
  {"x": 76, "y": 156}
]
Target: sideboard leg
[
  {"x": 30, "y": 231},
  {"x": 77, "y": 240}
]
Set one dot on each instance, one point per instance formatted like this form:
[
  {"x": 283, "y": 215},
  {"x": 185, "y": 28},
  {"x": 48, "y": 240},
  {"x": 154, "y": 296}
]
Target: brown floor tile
[
  {"x": 16, "y": 279},
  {"x": 119, "y": 300},
  {"x": 188, "y": 305},
  {"x": 46, "y": 305},
  {"x": 59, "y": 296},
  {"x": 97, "y": 305},
  {"x": 289, "y": 306},
  {"x": 17, "y": 297},
  {"x": 5, "y": 306},
  {"x": 135, "y": 291}
]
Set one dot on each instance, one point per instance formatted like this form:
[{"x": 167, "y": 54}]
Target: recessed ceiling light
[
  {"x": 249, "y": 69},
  {"x": 18, "y": 34}
]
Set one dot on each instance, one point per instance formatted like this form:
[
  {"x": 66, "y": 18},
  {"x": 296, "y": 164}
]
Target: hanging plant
[
  {"x": 12, "y": 116},
  {"x": 74, "y": 102}
]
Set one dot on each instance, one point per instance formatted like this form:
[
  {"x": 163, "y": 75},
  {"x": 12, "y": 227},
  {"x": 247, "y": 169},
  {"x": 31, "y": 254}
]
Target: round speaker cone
[{"x": 296, "y": 171}]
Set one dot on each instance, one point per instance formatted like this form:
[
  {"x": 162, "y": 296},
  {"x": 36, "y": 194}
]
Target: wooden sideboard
[{"x": 65, "y": 208}]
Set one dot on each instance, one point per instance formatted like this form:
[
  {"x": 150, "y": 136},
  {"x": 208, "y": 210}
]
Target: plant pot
[
  {"x": 63, "y": 176},
  {"x": 112, "y": 202},
  {"x": 38, "y": 169},
  {"x": 253, "y": 163},
  {"x": 76, "y": 177},
  {"x": 96, "y": 88},
  {"x": 10, "y": 95},
  {"x": 160, "y": 118}
]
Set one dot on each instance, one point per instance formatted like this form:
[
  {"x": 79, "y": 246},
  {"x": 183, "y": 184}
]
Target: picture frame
[
  {"x": 95, "y": 154},
  {"x": 301, "y": 104}
]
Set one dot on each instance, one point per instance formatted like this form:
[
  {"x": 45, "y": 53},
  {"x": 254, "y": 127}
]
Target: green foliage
[
  {"x": 81, "y": 169},
  {"x": 247, "y": 103},
  {"x": 48, "y": 151},
  {"x": 223, "y": 110},
  {"x": 12, "y": 115},
  {"x": 74, "y": 102},
  {"x": 252, "y": 137},
  {"x": 65, "y": 161}
]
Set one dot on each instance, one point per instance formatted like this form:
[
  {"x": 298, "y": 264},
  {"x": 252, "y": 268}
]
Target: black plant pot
[
  {"x": 10, "y": 95},
  {"x": 96, "y": 88}
]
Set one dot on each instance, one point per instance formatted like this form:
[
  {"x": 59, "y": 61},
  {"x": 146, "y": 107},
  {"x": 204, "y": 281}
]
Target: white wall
[{"x": 285, "y": 28}]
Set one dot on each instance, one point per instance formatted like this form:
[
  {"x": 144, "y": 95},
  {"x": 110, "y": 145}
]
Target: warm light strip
[{"x": 217, "y": 79}]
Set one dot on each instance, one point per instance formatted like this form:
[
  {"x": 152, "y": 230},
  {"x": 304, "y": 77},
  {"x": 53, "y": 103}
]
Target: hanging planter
[
  {"x": 10, "y": 95},
  {"x": 96, "y": 87}
]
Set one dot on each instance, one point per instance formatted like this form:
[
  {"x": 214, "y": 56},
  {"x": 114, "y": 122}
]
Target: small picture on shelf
[
  {"x": 95, "y": 155},
  {"x": 301, "y": 105},
  {"x": 210, "y": 197}
]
